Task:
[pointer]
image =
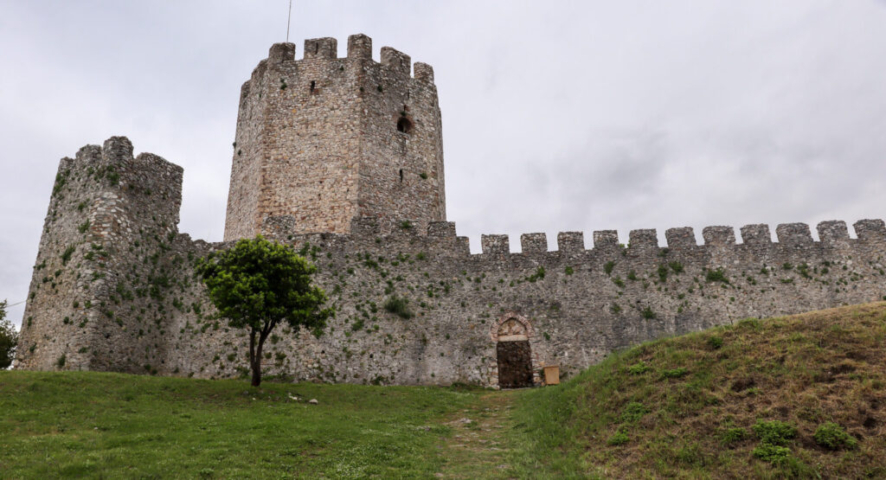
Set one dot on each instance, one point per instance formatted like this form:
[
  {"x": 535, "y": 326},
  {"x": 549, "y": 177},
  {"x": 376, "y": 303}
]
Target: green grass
[
  {"x": 101, "y": 425},
  {"x": 792, "y": 397}
]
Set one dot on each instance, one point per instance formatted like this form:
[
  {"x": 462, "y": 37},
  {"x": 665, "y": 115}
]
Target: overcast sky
[{"x": 557, "y": 116}]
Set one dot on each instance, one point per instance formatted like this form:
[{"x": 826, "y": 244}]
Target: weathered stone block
[
  {"x": 870, "y": 230},
  {"x": 396, "y": 60},
  {"x": 534, "y": 243},
  {"x": 833, "y": 232},
  {"x": 643, "y": 239},
  {"x": 680, "y": 238},
  {"x": 321, "y": 48},
  {"x": 360, "y": 46},
  {"x": 605, "y": 239},
  {"x": 757, "y": 234},
  {"x": 794, "y": 234},
  {"x": 495, "y": 244},
  {"x": 718, "y": 236},
  {"x": 571, "y": 242}
]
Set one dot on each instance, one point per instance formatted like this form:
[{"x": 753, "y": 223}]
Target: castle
[{"x": 343, "y": 159}]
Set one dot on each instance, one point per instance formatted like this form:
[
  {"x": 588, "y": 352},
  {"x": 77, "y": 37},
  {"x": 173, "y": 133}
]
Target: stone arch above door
[{"x": 511, "y": 327}]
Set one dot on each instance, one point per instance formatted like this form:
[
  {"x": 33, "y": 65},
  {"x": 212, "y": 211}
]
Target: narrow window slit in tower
[
  {"x": 313, "y": 85},
  {"x": 401, "y": 174}
]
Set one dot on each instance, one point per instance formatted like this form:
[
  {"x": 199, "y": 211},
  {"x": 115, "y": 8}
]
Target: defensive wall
[{"x": 114, "y": 287}]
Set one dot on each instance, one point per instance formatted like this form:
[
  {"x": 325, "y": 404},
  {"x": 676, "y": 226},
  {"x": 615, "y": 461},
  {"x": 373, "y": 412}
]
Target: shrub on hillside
[
  {"x": 832, "y": 436},
  {"x": 775, "y": 432}
]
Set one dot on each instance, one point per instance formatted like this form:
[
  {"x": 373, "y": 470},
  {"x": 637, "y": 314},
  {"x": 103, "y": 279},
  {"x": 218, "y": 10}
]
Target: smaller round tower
[{"x": 327, "y": 140}]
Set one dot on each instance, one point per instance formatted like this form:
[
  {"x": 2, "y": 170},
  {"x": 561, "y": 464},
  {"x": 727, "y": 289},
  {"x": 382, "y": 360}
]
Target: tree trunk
[
  {"x": 256, "y": 368},
  {"x": 254, "y": 359}
]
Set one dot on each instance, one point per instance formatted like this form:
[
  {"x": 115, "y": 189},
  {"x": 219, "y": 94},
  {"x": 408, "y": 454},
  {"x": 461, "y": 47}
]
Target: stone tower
[{"x": 326, "y": 140}]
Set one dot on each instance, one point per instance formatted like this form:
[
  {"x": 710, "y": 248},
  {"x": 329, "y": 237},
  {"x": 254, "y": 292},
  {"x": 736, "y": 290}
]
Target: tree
[
  {"x": 8, "y": 339},
  {"x": 258, "y": 284}
]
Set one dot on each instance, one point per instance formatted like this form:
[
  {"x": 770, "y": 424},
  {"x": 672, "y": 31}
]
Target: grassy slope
[
  {"x": 77, "y": 425},
  {"x": 805, "y": 370}
]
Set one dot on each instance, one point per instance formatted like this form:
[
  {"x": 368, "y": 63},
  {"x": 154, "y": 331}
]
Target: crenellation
[
  {"x": 833, "y": 233},
  {"x": 570, "y": 242},
  {"x": 424, "y": 72},
  {"x": 680, "y": 238},
  {"x": 283, "y": 52},
  {"x": 718, "y": 236},
  {"x": 870, "y": 231},
  {"x": 360, "y": 47},
  {"x": 757, "y": 234},
  {"x": 495, "y": 244},
  {"x": 534, "y": 243},
  {"x": 397, "y": 61},
  {"x": 605, "y": 239},
  {"x": 794, "y": 234},
  {"x": 642, "y": 240},
  {"x": 325, "y": 48}
]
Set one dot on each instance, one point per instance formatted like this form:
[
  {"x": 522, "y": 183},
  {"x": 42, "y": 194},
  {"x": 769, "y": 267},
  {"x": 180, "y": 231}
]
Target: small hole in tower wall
[
  {"x": 313, "y": 85},
  {"x": 401, "y": 174},
  {"x": 404, "y": 125}
]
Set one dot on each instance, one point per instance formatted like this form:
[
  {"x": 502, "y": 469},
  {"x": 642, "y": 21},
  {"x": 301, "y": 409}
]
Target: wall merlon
[
  {"x": 718, "y": 235},
  {"x": 571, "y": 242},
  {"x": 424, "y": 72},
  {"x": 833, "y": 232},
  {"x": 495, "y": 244},
  {"x": 604, "y": 239},
  {"x": 244, "y": 92},
  {"x": 870, "y": 230},
  {"x": 281, "y": 52},
  {"x": 534, "y": 243},
  {"x": 89, "y": 153},
  {"x": 680, "y": 238},
  {"x": 645, "y": 239},
  {"x": 360, "y": 46},
  {"x": 794, "y": 234},
  {"x": 259, "y": 71},
  {"x": 756, "y": 234},
  {"x": 117, "y": 149},
  {"x": 396, "y": 60},
  {"x": 326, "y": 47}
]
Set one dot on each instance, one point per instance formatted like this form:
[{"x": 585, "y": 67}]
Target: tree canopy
[
  {"x": 8, "y": 339},
  {"x": 258, "y": 284}
]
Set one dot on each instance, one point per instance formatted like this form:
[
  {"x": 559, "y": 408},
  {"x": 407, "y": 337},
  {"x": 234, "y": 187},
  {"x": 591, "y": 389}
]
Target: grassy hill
[
  {"x": 792, "y": 397},
  {"x": 100, "y": 425}
]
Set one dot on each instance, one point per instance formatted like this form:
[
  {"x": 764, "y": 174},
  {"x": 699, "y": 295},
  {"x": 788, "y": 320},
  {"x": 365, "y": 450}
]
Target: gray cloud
[{"x": 564, "y": 116}]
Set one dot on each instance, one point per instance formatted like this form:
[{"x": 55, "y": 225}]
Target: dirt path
[{"x": 478, "y": 445}]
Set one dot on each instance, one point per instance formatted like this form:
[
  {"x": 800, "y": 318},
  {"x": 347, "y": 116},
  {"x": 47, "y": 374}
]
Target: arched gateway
[{"x": 514, "y": 354}]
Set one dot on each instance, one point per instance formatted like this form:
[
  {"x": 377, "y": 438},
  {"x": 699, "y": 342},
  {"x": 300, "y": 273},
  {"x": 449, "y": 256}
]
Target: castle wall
[
  {"x": 317, "y": 139},
  {"x": 148, "y": 312}
]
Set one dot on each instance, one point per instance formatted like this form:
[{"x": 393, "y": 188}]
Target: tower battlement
[{"x": 326, "y": 140}]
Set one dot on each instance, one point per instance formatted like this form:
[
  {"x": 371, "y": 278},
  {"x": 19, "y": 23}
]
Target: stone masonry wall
[
  {"x": 317, "y": 139},
  {"x": 148, "y": 313}
]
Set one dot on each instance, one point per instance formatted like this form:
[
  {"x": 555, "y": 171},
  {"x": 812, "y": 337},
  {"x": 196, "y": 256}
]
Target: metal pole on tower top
[{"x": 288, "y": 20}]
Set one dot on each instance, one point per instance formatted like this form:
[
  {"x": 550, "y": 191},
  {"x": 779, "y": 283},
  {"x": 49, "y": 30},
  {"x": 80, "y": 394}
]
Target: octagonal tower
[{"x": 326, "y": 140}]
